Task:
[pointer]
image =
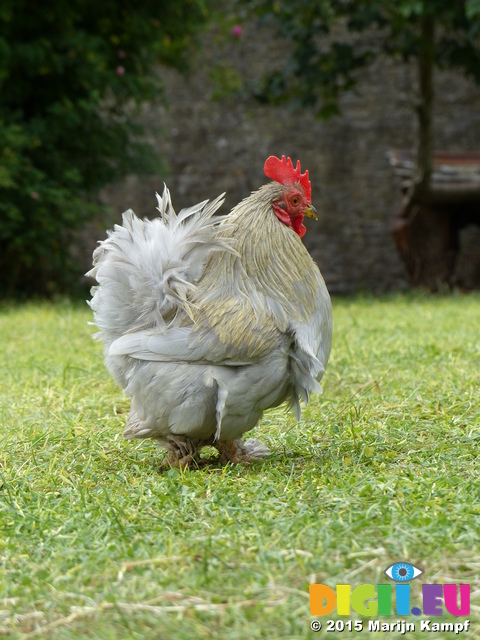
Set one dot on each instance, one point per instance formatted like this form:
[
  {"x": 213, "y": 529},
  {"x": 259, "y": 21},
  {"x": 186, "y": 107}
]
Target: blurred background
[{"x": 101, "y": 103}]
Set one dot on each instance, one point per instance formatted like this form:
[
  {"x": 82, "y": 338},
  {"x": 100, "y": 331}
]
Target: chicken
[{"x": 207, "y": 321}]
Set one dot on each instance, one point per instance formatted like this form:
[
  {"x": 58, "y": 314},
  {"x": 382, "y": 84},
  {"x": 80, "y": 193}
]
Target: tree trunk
[{"x": 420, "y": 187}]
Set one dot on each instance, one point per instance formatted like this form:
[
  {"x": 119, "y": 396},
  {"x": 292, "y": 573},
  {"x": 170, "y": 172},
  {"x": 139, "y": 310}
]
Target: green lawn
[{"x": 95, "y": 542}]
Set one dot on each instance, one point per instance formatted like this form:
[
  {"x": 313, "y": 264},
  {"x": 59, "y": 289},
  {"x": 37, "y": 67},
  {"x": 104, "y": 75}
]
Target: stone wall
[{"x": 210, "y": 146}]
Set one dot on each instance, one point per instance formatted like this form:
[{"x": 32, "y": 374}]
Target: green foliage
[
  {"x": 71, "y": 77},
  {"x": 323, "y": 58},
  {"x": 96, "y": 542}
]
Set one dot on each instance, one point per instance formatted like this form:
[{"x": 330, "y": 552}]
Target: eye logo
[{"x": 403, "y": 572}]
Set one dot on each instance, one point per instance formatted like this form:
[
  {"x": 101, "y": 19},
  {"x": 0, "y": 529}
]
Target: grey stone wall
[{"x": 210, "y": 146}]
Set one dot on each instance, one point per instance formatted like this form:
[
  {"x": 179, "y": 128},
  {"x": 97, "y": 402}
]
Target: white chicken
[{"x": 207, "y": 321}]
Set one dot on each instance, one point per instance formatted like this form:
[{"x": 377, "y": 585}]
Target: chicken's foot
[
  {"x": 238, "y": 451},
  {"x": 181, "y": 452},
  {"x": 184, "y": 453}
]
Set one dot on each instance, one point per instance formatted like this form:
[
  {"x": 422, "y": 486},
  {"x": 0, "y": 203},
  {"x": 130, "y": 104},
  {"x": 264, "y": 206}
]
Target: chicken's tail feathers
[
  {"x": 147, "y": 269},
  {"x": 164, "y": 203},
  {"x": 203, "y": 211}
]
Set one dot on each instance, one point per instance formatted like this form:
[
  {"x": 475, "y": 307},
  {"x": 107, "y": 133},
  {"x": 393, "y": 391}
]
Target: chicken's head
[{"x": 295, "y": 201}]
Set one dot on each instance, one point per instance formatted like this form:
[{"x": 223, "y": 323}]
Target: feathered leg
[
  {"x": 185, "y": 453},
  {"x": 181, "y": 452},
  {"x": 238, "y": 451}
]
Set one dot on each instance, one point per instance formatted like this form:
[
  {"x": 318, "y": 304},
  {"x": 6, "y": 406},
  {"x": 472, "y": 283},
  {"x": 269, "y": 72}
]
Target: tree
[
  {"x": 71, "y": 78},
  {"x": 324, "y": 59}
]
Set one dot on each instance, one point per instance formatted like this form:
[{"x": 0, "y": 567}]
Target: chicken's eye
[{"x": 295, "y": 201}]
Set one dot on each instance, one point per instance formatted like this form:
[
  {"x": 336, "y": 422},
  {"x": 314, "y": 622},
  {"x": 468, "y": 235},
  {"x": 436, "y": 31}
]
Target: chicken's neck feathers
[
  {"x": 271, "y": 257},
  {"x": 270, "y": 282}
]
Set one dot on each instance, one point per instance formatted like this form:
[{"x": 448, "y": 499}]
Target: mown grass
[{"x": 95, "y": 542}]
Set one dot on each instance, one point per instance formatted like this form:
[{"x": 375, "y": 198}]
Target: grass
[{"x": 96, "y": 543}]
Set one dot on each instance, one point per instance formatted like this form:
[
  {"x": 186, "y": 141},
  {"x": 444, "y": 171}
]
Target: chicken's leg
[
  {"x": 238, "y": 451},
  {"x": 181, "y": 451}
]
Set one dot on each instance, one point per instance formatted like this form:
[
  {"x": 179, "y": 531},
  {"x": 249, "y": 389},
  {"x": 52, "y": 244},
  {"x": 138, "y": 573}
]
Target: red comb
[{"x": 282, "y": 171}]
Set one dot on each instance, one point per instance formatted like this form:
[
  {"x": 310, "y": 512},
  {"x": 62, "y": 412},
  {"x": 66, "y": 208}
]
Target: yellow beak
[{"x": 310, "y": 212}]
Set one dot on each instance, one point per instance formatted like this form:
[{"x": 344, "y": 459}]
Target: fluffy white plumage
[{"x": 196, "y": 333}]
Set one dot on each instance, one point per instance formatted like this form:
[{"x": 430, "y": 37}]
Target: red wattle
[{"x": 297, "y": 226}]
